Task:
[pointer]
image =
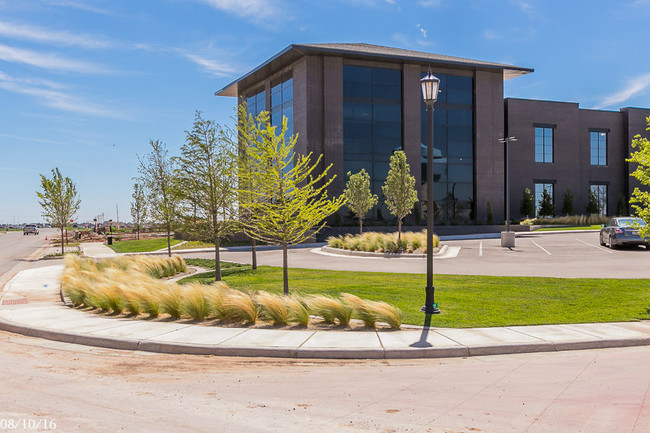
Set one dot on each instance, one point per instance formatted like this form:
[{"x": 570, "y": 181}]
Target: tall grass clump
[
  {"x": 388, "y": 313},
  {"x": 362, "y": 309},
  {"x": 194, "y": 302},
  {"x": 298, "y": 311},
  {"x": 215, "y": 294},
  {"x": 240, "y": 307},
  {"x": 571, "y": 220},
  {"x": 383, "y": 242},
  {"x": 273, "y": 308},
  {"x": 171, "y": 301},
  {"x": 331, "y": 309}
]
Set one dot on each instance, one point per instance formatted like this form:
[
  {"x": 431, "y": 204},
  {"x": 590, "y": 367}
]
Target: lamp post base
[
  {"x": 430, "y": 306},
  {"x": 432, "y": 310}
]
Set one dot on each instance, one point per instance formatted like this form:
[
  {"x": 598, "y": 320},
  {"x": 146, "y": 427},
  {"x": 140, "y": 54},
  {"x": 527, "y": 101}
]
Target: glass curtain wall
[
  {"x": 255, "y": 103},
  {"x": 453, "y": 142},
  {"x": 372, "y": 121},
  {"x": 282, "y": 103}
]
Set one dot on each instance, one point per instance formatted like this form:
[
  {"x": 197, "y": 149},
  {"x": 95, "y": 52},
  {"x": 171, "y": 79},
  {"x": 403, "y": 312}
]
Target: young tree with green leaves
[
  {"x": 546, "y": 206},
  {"x": 567, "y": 202},
  {"x": 247, "y": 128},
  {"x": 399, "y": 189},
  {"x": 358, "y": 197},
  {"x": 640, "y": 200},
  {"x": 593, "y": 207},
  {"x": 138, "y": 208},
  {"x": 527, "y": 206},
  {"x": 59, "y": 199},
  {"x": 289, "y": 203},
  {"x": 207, "y": 173},
  {"x": 158, "y": 178}
]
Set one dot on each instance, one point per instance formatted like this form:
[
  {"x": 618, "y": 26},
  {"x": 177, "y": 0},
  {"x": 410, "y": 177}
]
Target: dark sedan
[{"x": 623, "y": 231}]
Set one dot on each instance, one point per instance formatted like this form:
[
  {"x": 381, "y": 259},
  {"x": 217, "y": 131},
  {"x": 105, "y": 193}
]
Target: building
[{"x": 357, "y": 103}]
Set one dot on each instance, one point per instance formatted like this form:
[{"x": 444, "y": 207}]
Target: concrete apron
[{"x": 43, "y": 317}]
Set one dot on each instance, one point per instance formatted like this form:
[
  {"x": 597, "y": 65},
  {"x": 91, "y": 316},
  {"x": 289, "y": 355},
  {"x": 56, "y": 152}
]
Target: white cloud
[
  {"x": 52, "y": 98},
  {"x": 422, "y": 30},
  {"x": 78, "y": 5},
  {"x": 257, "y": 10},
  {"x": 430, "y": 3},
  {"x": 38, "y": 34},
  {"x": 633, "y": 87},
  {"x": 47, "y": 61},
  {"x": 490, "y": 34},
  {"x": 211, "y": 66}
]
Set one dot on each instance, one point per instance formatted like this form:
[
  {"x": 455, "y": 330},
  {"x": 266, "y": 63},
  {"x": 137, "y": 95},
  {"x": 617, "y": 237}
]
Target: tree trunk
[
  {"x": 285, "y": 273},
  {"x": 254, "y": 254},
  {"x": 169, "y": 243},
  {"x": 399, "y": 232},
  {"x": 62, "y": 250},
  {"x": 217, "y": 260},
  {"x": 360, "y": 226},
  {"x": 137, "y": 233}
]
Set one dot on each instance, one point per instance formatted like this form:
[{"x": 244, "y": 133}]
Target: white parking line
[
  {"x": 480, "y": 249},
  {"x": 542, "y": 248},
  {"x": 597, "y": 247}
]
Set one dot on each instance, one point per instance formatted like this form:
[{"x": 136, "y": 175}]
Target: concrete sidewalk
[
  {"x": 96, "y": 250},
  {"x": 30, "y": 305}
]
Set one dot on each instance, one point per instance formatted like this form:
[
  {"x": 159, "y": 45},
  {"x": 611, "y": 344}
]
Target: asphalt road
[
  {"x": 564, "y": 254},
  {"x": 83, "y": 389},
  {"x": 17, "y": 252}
]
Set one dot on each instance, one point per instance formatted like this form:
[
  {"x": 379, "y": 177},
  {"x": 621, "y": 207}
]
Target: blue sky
[{"x": 84, "y": 84}]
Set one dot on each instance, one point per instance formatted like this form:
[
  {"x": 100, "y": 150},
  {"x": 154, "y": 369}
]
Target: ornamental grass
[
  {"x": 410, "y": 242},
  {"x": 127, "y": 285}
]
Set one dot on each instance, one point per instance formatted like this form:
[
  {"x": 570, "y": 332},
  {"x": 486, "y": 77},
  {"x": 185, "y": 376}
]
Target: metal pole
[
  {"x": 430, "y": 289},
  {"x": 507, "y": 184}
]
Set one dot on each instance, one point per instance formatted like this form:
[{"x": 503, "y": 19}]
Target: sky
[{"x": 86, "y": 84}]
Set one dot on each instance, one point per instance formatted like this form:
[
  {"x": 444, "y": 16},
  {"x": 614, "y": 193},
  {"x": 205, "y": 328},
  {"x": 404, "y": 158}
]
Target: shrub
[
  {"x": 331, "y": 309},
  {"x": 298, "y": 312},
  {"x": 362, "y": 309},
  {"x": 240, "y": 307},
  {"x": 194, "y": 302},
  {"x": 382, "y": 242},
  {"x": 171, "y": 301},
  {"x": 273, "y": 308},
  {"x": 388, "y": 313}
]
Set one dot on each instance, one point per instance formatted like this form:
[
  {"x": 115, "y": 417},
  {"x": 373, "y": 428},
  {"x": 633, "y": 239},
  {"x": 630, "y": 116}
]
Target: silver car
[
  {"x": 30, "y": 229},
  {"x": 623, "y": 231}
]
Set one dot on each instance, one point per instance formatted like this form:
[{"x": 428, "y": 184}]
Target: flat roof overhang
[{"x": 371, "y": 52}]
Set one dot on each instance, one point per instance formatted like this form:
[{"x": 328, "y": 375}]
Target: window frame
[
  {"x": 599, "y": 133},
  {"x": 544, "y": 144}
]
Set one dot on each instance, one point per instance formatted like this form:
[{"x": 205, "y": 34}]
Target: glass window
[
  {"x": 453, "y": 142},
  {"x": 282, "y": 102},
  {"x": 372, "y": 120},
  {"x": 543, "y": 144},
  {"x": 600, "y": 191},
  {"x": 255, "y": 103},
  {"x": 598, "y": 147},
  {"x": 539, "y": 191}
]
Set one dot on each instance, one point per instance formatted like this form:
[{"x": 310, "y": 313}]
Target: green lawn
[
  {"x": 141, "y": 246},
  {"x": 592, "y": 227},
  {"x": 466, "y": 301}
]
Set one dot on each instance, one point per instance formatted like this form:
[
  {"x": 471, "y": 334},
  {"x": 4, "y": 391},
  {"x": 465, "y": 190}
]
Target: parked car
[
  {"x": 30, "y": 229},
  {"x": 623, "y": 231}
]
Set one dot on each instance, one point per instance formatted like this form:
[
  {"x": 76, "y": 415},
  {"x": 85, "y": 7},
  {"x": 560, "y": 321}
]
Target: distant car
[
  {"x": 29, "y": 229},
  {"x": 623, "y": 231}
]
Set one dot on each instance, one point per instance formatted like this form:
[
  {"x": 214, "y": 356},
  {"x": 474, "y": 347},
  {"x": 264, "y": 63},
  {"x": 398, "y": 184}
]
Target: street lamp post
[
  {"x": 507, "y": 237},
  {"x": 430, "y": 86}
]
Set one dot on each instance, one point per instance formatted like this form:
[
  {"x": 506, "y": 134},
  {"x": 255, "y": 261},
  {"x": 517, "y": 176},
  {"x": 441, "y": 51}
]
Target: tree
[
  {"x": 157, "y": 177},
  {"x": 567, "y": 202},
  {"x": 247, "y": 128},
  {"x": 358, "y": 196},
  {"x": 640, "y": 200},
  {"x": 138, "y": 208},
  {"x": 621, "y": 205},
  {"x": 399, "y": 189},
  {"x": 546, "y": 206},
  {"x": 59, "y": 199},
  {"x": 527, "y": 206},
  {"x": 593, "y": 207},
  {"x": 207, "y": 173},
  {"x": 489, "y": 216},
  {"x": 289, "y": 203}
]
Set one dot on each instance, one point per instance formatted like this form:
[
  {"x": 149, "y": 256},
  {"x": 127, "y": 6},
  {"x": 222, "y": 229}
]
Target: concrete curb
[
  {"x": 316, "y": 353},
  {"x": 342, "y": 252}
]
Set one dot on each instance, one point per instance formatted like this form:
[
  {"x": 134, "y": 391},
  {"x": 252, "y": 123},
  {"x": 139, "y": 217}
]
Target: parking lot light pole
[
  {"x": 507, "y": 239},
  {"x": 430, "y": 87}
]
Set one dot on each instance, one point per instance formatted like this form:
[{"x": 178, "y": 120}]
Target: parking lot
[{"x": 560, "y": 254}]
